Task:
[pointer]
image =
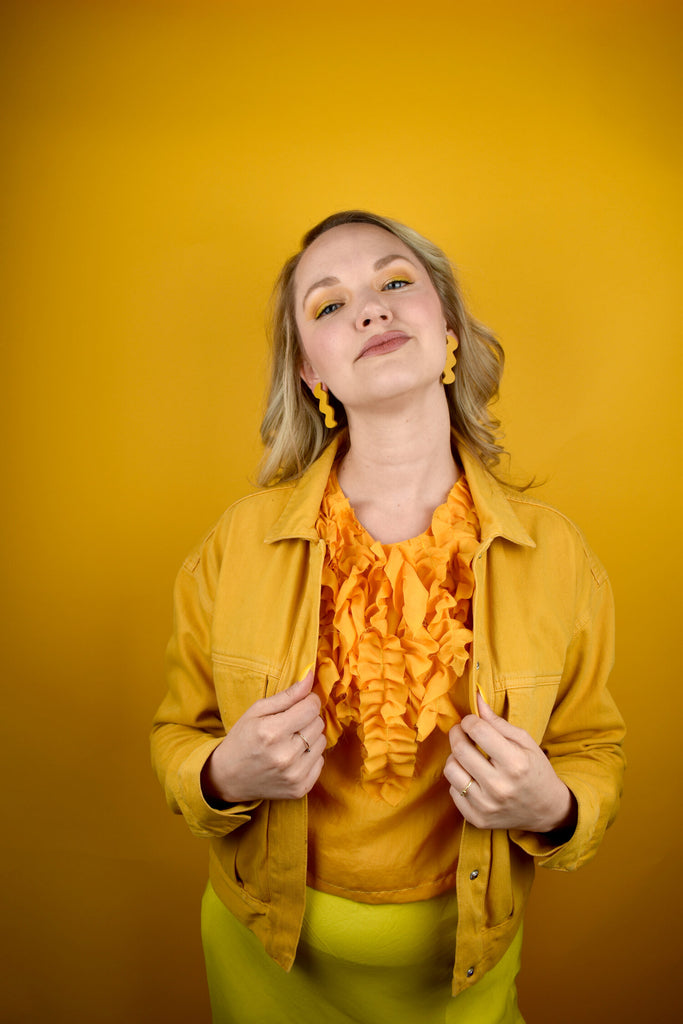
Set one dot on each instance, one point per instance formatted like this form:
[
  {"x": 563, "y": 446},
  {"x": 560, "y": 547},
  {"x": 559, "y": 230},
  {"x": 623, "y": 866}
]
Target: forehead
[{"x": 345, "y": 247}]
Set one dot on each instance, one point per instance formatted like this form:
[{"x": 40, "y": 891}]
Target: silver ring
[
  {"x": 463, "y": 792},
  {"x": 306, "y": 743}
]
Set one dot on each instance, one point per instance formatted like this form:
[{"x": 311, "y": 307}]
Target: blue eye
[
  {"x": 395, "y": 283},
  {"x": 331, "y": 307}
]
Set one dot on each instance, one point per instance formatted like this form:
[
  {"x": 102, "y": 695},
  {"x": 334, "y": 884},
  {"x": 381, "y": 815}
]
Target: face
[{"x": 369, "y": 318}]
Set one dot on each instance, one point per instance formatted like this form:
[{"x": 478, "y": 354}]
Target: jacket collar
[
  {"x": 298, "y": 518},
  {"x": 300, "y": 514},
  {"x": 496, "y": 515}
]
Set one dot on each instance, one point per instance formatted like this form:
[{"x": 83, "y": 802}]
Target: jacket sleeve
[
  {"x": 188, "y": 727},
  {"x": 584, "y": 736}
]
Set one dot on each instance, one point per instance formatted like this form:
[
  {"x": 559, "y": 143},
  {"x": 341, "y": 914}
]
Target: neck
[{"x": 399, "y": 467}]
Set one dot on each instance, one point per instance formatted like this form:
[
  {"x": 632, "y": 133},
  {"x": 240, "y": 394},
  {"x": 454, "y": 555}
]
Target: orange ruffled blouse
[{"x": 394, "y": 634}]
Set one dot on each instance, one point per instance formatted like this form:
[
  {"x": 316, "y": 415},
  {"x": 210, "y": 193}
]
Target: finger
[
  {"x": 459, "y": 740},
  {"x": 307, "y": 768},
  {"x": 288, "y": 698},
  {"x": 301, "y": 716},
  {"x": 314, "y": 731},
  {"x": 464, "y": 790},
  {"x": 494, "y": 735},
  {"x": 456, "y": 775},
  {"x": 312, "y": 737},
  {"x": 317, "y": 746},
  {"x": 313, "y": 774},
  {"x": 488, "y": 739},
  {"x": 501, "y": 725},
  {"x": 468, "y": 807},
  {"x": 471, "y": 760},
  {"x": 466, "y": 751}
]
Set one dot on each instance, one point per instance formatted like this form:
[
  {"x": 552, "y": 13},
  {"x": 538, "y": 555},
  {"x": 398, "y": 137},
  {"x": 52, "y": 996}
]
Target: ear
[{"x": 308, "y": 374}]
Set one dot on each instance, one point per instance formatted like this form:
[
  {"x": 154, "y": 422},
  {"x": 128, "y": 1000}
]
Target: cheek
[
  {"x": 427, "y": 306},
  {"x": 318, "y": 345}
]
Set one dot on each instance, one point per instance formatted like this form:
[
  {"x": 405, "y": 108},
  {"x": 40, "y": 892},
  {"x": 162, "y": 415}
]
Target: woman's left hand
[{"x": 515, "y": 786}]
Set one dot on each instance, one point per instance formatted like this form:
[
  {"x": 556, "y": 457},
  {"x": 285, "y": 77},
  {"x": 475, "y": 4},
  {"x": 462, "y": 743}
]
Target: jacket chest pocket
[
  {"x": 239, "y": 684},
  {"x": 527, "y": 701}
]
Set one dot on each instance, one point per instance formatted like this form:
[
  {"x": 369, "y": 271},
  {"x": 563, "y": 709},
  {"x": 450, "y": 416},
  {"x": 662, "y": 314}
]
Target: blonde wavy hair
[{"x": 293, "y": 430}]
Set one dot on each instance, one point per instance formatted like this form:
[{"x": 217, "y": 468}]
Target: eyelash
[
  {"x": 402, "y": 281},
  {"x": 322, "y": 312}
]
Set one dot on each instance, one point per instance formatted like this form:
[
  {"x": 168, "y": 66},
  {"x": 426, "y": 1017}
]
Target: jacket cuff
[
  {"x": 203, "y": 819},
  {"x": 570, "y": 853}
]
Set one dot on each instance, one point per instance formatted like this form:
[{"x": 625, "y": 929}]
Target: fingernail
[{"x": 307, "y": 670}]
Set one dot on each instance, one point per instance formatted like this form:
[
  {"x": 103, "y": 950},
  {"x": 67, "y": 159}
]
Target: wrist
[
  {"x": 563, "y": 814},
  {"x": 210, "y": 787}
]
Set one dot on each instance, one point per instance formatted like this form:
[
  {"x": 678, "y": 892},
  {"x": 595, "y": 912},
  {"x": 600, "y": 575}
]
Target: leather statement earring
[
  {"x": 320, "y": 392},
  {"x": 448, "y": 376}
]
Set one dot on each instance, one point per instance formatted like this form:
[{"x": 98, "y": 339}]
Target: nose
[{"x": 373, "y": 310}]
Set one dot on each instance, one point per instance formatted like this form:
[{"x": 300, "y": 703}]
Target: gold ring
[
  {"x": 306, "y": 743},
  {"x": 463, "y": 792}
]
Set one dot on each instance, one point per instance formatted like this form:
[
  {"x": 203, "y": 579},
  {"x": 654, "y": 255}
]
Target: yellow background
[{"x": 161, "y": 160}]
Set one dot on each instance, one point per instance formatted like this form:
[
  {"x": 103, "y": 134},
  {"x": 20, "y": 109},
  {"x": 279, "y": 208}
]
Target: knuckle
[
  {"x": 476, "y": 728},
  {"x": 319, "y": 747},
  {"x": 458, "y": 742},
  {"x": 504, "y": 793},
  {"x": 266, "y": 732},
  {"x": 518, "y": 768},
  {"x": 281, "y": 760}
]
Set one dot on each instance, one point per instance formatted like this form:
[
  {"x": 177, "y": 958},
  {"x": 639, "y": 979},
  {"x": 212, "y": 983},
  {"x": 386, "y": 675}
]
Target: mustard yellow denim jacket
[{"x": 246, "y": 626}]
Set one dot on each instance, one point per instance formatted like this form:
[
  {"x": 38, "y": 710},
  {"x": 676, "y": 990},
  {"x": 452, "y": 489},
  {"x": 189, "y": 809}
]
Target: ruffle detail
[{"x": 394, "y": 633}]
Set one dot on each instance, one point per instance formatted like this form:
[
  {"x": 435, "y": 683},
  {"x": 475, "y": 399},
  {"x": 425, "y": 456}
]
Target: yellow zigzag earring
[
  {"x": 320, "y": 392},
  {"x": 448, "y": 376}
]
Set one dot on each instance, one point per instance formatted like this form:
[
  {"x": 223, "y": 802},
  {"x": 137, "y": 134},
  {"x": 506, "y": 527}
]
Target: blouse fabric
[{"x": 395, "y": 629}]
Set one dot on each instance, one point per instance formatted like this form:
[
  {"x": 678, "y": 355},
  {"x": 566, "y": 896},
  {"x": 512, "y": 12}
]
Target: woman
[{"x": 387, "y": 694}]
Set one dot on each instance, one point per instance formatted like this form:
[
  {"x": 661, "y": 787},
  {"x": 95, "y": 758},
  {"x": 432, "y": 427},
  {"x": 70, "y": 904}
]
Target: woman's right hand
[{"x": 273, "y": 752}]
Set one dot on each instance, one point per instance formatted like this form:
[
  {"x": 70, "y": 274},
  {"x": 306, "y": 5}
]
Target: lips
[{"x": 380, "y": 343}]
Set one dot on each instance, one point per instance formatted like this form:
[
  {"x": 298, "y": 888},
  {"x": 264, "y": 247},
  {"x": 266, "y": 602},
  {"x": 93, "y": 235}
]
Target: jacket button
[
  {"x": 470, "y": 972},
  {"x": 477, "y": 665},
  {"x": 474, "y": 874}
]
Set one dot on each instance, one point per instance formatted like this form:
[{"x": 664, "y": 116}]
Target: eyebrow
[{"x": 324, "y": 282}]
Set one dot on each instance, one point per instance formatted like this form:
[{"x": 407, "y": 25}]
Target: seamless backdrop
[{"x": 161, "y": 160}]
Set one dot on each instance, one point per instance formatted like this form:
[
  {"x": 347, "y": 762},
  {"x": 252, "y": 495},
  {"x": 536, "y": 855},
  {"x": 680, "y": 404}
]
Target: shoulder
[
  {"x": 554, "y": 532},
  {"x": 246, "y": 522}
]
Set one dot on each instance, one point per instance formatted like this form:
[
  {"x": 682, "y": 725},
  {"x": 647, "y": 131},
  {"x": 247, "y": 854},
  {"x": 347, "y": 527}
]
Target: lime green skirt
[{"x": 356, "y": 963}]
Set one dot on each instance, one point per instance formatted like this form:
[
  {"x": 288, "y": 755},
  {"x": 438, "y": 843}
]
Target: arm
[
  {"x": 555, "y": 799},
  {"x": 584, "y": 737},
  {"x": 273, "y": 750},
  {"x": 188, "y": 727}
]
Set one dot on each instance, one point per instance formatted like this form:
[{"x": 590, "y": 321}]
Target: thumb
[{"x": 285, "y": 700}]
